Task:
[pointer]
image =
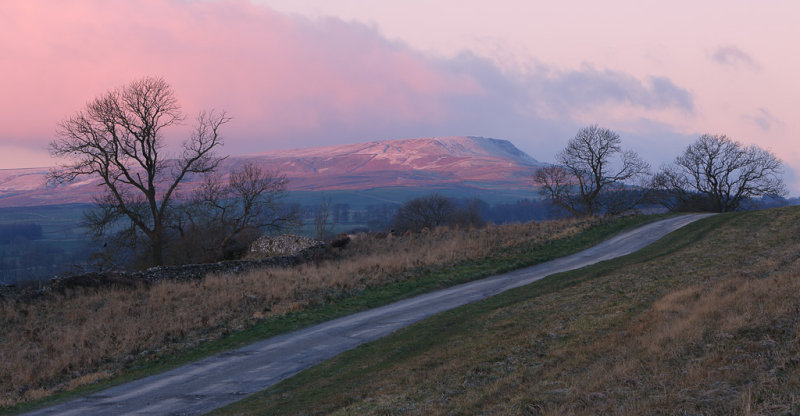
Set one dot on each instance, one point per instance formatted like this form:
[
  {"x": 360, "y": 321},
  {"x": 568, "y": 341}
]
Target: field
[
  {"x": 363, "y": 197},
  {"x": 63, "y": 243},
  {"x": 706, "y": 321},
  {"x": 62, "y": 342},
  {"x": 65, "y": 247}
]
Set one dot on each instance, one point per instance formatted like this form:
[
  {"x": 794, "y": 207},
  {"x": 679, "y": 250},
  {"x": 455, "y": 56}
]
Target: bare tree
[
  {"x": 591, "y": 174},
  {"x": 118, "y": 138},
  {"x": 427, "y": 211},
  {"x": 716, "y": 173},
  {"x": 223, "y": 217},
  {"x": 554, "y": 183},
  {"x": 470, "y": 213},
  {"x": 322, "y": 225}
]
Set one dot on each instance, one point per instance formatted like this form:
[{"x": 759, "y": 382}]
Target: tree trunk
[{"x": 157, "y": 247}]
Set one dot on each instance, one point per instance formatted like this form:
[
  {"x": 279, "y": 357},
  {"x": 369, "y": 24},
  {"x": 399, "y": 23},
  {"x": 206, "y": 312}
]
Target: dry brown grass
[
  {"x": 710, "y": 327},
  {"x": 728, "y": 347},
  {"x": 64, "y": 341}
]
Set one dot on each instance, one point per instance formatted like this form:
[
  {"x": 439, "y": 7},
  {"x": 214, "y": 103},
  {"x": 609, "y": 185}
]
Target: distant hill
[{"x": 451, "y": 162}]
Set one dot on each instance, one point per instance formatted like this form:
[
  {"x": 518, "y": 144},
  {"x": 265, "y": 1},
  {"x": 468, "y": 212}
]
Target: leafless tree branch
[
  {"x": 588, "y": 179},
  {"x": 716, "y": 173},
  {"x": 220, "y": 213},
  {"x": 118, "y": 137}
]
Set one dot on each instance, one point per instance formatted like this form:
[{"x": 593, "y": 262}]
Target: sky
[{"x": 302, "y": 73}]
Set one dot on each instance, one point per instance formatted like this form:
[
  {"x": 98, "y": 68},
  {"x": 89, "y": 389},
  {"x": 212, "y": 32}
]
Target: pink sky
[{"x": 299, "y": 73}]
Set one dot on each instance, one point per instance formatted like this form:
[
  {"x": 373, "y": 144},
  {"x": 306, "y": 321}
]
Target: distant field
[
  {"x": 62, "y": 245},
  {"x": 363, "y": 198},
  {"x": 58, "y": 221},
  {"x": 705, "y": 321}
]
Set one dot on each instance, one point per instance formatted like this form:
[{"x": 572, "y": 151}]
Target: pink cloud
[
  {"x": 290, "y": 81},
  {"x": 287, "y": 81},
  {"x": 278, "y": 76}
]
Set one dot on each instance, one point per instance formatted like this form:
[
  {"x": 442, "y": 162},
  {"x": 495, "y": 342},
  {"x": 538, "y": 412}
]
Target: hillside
[
  {"x": 117, "y": 332},
  {"x": 462, "y": 162},
  {"x": 706, "y": 321}
]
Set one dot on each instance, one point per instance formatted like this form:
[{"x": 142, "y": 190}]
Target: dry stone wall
[{"x": 60, "y": 284}]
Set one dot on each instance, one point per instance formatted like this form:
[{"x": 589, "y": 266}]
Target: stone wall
[{"x": 59, "y": 284}]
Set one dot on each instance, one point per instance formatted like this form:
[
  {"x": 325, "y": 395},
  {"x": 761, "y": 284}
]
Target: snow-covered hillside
[{"x": 440, "y": 162}]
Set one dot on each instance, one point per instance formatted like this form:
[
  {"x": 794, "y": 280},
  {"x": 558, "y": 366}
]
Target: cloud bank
[{"x": 293, "y": 82}]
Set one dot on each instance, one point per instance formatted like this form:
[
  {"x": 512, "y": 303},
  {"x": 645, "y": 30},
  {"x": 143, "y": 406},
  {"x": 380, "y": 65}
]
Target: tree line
[
  {"x": 146, "y": 218},
  {"x": 594, "y": 175}
]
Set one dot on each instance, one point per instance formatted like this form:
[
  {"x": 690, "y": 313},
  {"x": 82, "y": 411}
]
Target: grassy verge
[
  {"x": 424, "y": 279},
  {"x": 705, "y": 321}
]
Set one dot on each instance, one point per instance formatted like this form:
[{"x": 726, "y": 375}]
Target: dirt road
[{"x": 227, "y": 377}]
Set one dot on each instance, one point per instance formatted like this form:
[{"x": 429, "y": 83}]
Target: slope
[
  {"x": 702, "y": 322},
  {"x": 224, "y": 378},
  {"x": 123, "y": 332},
  {"x": 451, "y": 162}
]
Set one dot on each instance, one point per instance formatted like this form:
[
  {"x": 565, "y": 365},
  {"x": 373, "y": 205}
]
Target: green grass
[
  {"x": 555, "y": 346},
  {"x": 369, "y": 298},
  {"x": 324, "y": 388}
]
